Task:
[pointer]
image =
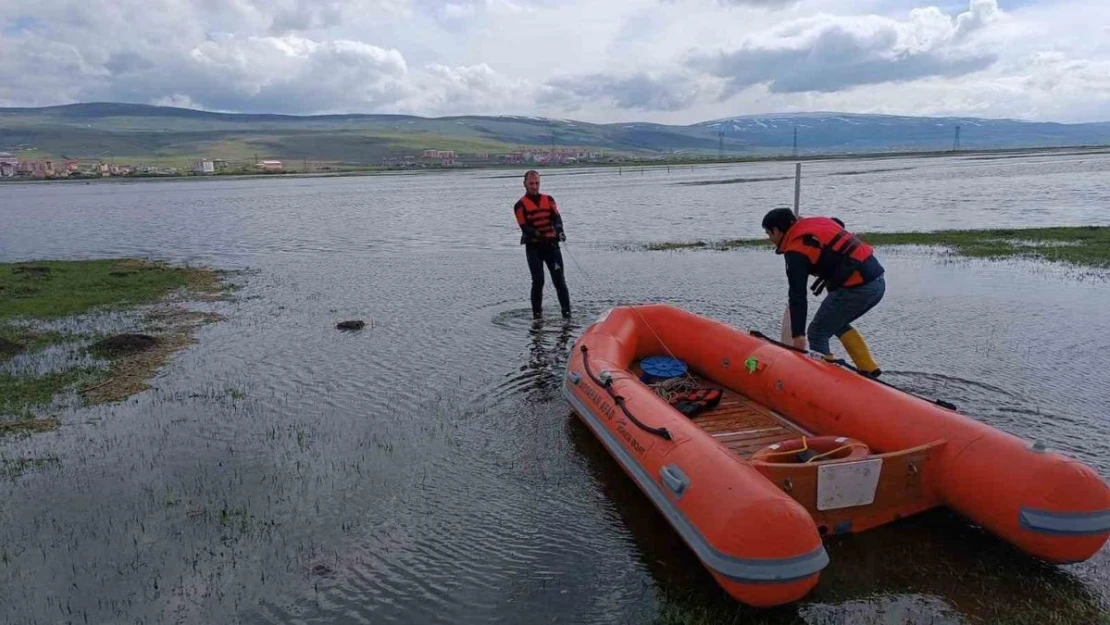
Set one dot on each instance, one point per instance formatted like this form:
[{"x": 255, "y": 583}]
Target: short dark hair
[
  {"x": 781, "y": 218},
  {"x": 530, "y": 172}
]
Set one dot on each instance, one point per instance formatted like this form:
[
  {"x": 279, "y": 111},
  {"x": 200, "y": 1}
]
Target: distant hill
[
  {"x": 851, "y": 132},
  {"x": 153, "y": 133}
]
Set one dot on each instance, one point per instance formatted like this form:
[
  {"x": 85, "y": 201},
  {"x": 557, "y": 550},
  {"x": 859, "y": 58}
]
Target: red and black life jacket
[
  {"x": 835, "y": 255},
  {"x": 696, "y": 401},
  {"x": 540, "y": 216}
]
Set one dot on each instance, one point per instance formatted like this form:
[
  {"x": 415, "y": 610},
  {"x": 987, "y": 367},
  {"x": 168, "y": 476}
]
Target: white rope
[
  {"x": 689, "y": 378},
  {"x": 670, "y": 387}
]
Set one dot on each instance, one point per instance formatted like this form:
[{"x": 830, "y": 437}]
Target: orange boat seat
[{"x": 808, "y": 449}]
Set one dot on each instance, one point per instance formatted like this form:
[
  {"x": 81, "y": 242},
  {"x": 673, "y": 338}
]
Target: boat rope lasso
[{"x": 839, "y": 362}]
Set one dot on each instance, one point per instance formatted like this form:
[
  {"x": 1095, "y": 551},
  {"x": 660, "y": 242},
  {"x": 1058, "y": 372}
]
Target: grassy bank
[
  {"x": 38, "y": 297},
  {"x": 1083, "y": 245}
]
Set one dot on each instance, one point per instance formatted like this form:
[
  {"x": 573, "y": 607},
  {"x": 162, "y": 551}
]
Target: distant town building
[
  {"x": 30, "y": 169},
  {"x": 270, "y": 165},
  {"x": 551, "y": 155},
  {"x": 447, "y": 157},
  {"x": 204, "y": 167},
  {"x": 8, "y": 165}
]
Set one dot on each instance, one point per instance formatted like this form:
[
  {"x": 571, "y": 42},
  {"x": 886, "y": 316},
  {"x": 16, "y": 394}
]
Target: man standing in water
[
  {"x": 541, "y": 228},
  {"x": 844, "y": 265}
]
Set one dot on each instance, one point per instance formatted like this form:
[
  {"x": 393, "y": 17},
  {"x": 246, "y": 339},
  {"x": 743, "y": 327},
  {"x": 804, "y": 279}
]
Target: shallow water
[{"x": 426, "y": 469}]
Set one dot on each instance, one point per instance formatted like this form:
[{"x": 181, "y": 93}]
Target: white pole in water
[
  {"x": 785, "y": 330},
  {"x": 797, "y": 186}
]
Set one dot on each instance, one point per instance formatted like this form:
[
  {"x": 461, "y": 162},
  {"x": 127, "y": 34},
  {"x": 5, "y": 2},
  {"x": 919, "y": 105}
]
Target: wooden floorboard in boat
[
  {"x": 744, "y": 426},
  {"x": 741, "y": 424}
]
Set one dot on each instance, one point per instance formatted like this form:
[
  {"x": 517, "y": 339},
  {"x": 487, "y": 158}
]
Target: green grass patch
[
  {"x": 54, "y": 289},
  {"x": 1083, "y": 245},
  {"x": 19, "y": 395},
  {"x": 50, "y": 290},
  {"x": 15, "y": 467},
  {"x": 15, "y": 339},
  {"x": 28, "y": 425}
]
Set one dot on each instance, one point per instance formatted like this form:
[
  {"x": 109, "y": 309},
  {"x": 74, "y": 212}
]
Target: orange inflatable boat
[{"x": 758, "y": 450}]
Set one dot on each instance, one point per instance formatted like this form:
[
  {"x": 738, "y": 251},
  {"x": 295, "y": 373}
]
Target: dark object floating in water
[
  {"x": 322, "y": 569},
  {"x": 356, "y": 324},
  {"x": 121, "y": 344}
]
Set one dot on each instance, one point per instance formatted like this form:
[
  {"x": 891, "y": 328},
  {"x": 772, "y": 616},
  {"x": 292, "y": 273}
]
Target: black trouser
[{"x": 546, "y": 253}]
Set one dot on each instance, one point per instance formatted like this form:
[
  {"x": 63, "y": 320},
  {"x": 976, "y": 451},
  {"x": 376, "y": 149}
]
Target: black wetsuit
[{"x": 541, "y": 251}]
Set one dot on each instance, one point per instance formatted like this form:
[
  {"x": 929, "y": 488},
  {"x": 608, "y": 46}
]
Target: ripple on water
[{"x": 426, "y": 469}]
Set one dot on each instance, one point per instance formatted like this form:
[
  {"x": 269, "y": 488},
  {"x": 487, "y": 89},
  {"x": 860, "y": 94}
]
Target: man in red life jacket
[
  {"x": 541, "y": 228},
  {"x": 844, "y": 265}
]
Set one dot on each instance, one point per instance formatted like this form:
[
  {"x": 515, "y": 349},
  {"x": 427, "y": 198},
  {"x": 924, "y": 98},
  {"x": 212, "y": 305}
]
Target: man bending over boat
[
  {"x": 844, "y": 265},
  {"x": 541, "y": 228}
]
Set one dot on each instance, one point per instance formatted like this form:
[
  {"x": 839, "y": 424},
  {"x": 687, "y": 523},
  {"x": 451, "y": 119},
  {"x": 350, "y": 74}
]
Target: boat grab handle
[
  {"x": 675, "y": 479},
  {"x": 661, "y": 432}
]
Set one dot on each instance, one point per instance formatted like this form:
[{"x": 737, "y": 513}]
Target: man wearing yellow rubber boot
[{"x": 843, "y": 265}]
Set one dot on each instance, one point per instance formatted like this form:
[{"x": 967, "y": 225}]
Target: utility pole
[
  {"x": 720, "y": 144},
  {"x": 797, "y": 186},
  {"x": 956, "y": 142},
  {"x": 795, "y": 153}
]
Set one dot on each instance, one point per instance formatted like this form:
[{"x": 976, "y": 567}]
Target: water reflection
[
  {"x": 428, "y": 470},
  {"x": 548, "y": 350},
  {"x": 933, "y": 567}
]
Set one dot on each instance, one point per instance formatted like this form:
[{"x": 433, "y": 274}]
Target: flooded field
[{"x": 425, "y": 469}]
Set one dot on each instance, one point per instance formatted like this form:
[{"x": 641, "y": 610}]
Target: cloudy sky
[{"x": 671, "y": 61}]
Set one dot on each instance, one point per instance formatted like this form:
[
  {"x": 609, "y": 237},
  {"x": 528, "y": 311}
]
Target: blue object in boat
[{"x": 658, "y": 368}]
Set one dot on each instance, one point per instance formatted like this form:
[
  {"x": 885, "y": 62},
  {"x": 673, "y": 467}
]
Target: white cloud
[
  {"x": 292, "y": 73},
  {"x": 763, "y": 4},
  {"x": 673, "y": 61},
  {"x": 637, "y": 92},
  {"x": 455, "y": 11},
  {"x": 830, "y": 53},
  {"x": 462, "y": 90},
  {"x": 300, "y": 15},
  {"x": 177, "y": 100}
]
